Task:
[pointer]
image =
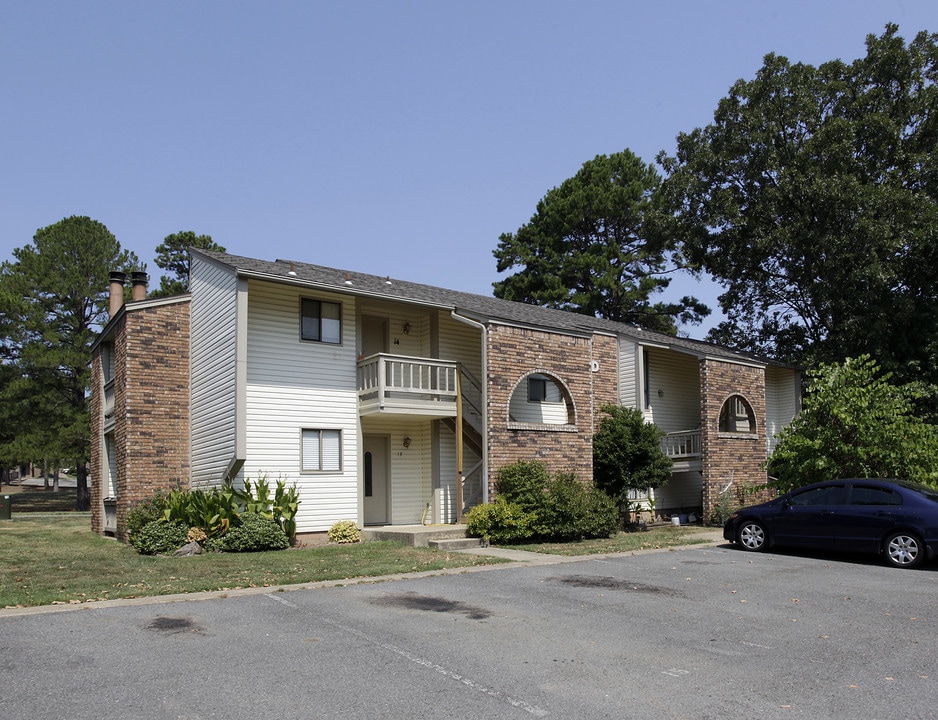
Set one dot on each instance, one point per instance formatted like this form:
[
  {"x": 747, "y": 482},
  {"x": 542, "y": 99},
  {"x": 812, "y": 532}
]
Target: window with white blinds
[{"x": 322, "y": 450}]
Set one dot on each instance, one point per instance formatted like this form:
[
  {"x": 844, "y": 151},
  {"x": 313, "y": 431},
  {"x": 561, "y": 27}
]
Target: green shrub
[
  {"x": 160, "y": 536},
  {"x": 256, "y": 532},
  {"x": 500, "y": 522},
  {"x": 523, "y": 482},
  {"x": 549, "y": 508},
  {"x": 145, "y": 512},
  {"x": 574, "y": 511},
  {"x": 345, "y": 531}
]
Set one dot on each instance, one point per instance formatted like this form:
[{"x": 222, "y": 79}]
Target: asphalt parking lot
[{"x": 697, "y": 633}]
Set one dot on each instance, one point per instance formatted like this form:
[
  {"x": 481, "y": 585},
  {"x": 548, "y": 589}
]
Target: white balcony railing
[
  {"x": 681, "y": 445},
  {"x": 397, "y": 383}
]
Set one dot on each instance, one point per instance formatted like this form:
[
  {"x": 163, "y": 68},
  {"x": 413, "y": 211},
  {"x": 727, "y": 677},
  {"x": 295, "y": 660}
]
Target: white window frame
[{"x": 320, "y": 450}]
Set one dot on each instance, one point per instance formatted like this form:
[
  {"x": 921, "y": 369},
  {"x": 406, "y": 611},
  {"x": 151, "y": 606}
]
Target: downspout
[{"x": 485, "y": 391}]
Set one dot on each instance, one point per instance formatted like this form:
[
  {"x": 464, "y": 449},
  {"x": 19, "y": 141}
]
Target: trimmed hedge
[
  {"x": 256, "y": 532},
  {"x": 532, "y": 505},
  {"x": 158, "y": 537}
]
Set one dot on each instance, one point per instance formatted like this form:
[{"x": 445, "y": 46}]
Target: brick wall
[
  {"x": 151, "y": 408},
  {"x": 730, "y": 456},
  {"x": 585, "y": 367}
]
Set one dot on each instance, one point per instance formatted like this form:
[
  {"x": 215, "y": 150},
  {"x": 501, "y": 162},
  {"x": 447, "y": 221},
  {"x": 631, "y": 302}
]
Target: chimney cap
[{"x": 118, "y": 277}]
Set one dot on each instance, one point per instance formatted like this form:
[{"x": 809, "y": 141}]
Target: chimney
[
  {"x": 139, "y": 279},
  {"x": 117, "y": 291}
]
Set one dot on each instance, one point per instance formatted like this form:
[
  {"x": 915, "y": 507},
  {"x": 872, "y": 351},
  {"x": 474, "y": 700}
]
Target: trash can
[{"x": 4, "y": 507}]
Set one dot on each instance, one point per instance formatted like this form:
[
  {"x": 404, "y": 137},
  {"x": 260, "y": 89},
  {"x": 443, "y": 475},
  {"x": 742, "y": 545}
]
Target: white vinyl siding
[
  {"x": 673, "y": 390},
  {"x": 213, "y": 371},
  {"x": 415, "y": 342},
  {"x": 782, "y": 393},
  {"x": 629, "y": 374},
  {"x": 410, "y": 467},
  {"x": 459, "y": 341},
  {"x": 294, "y": 385},
  {"x": 682, "y": 492}
]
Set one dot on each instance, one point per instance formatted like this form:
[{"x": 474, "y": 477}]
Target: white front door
[{"x": 375, "y": 476}]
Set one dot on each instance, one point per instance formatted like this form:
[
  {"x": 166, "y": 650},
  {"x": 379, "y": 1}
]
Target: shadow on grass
[{"x": 25, "y": 500}]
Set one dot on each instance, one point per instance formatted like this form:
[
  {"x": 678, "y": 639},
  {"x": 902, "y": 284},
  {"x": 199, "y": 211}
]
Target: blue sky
[{"x": 395, "y": 138}]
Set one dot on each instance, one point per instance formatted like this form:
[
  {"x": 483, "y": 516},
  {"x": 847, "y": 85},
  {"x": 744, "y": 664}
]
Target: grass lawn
[
  {"x": 51, "y": 558},
  {"x": 54, "y": 558},
  {"x": 25, "y": 498}
]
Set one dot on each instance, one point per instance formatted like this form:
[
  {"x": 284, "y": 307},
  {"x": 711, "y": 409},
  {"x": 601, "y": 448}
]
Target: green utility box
[{"x": 4, "y": 507}]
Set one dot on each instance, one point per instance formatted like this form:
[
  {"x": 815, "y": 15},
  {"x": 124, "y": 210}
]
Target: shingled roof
[{"x": 479, "y": 307}]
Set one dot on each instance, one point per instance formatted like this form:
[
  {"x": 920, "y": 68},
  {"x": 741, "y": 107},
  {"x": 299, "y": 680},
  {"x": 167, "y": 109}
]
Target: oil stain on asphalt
[{"x": 425, "y": 603}]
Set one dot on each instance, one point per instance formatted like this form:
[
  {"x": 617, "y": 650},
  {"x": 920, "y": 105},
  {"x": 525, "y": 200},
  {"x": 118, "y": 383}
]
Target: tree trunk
[{"x": 82, "y": 495}]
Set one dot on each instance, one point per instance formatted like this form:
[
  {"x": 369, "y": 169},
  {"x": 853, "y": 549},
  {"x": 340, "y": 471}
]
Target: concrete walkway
[{"x": 710, "y": 537}]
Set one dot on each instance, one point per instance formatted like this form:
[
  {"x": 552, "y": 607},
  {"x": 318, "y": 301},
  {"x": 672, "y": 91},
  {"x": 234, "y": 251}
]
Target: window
[
  {"x": 830, "y": 495},
  {"x": 865, "y": 495},
  {"x": 321, "y": 451},
  {"x": 322, "y": 321},
  {"x": 737, "y": 416},
  {"x": 369, "y": 475},
  {"x": 107, "y": 362},
  {"x": 537, "y": 388},
  {"x": 540, "y": 399}
]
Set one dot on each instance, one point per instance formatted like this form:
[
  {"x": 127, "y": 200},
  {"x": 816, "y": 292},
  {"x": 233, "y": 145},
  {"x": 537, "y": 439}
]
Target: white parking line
[{"x": 446, "y": 672}]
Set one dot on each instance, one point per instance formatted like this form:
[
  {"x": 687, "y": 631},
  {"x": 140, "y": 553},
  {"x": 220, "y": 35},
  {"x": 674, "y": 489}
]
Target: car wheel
[
  {"x": 904, "y": 550},
  {"x": 752, "y": 536}
]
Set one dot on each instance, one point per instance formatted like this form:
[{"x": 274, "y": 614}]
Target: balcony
[
  {"x": 684, "y": 450},
  {"x": 402, "y": 385}
]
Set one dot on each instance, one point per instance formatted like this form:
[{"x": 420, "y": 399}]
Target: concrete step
[
  {"x": 463, "y": 543},
  {"x": 414, "y": 535}
]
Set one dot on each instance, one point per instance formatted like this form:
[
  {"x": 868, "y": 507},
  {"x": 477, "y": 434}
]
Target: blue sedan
[{"x": 892, "y": 518}]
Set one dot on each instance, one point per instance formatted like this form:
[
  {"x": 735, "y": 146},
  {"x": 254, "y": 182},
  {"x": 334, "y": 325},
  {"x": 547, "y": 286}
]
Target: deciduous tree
[
  {"x": 813, "y": 198},
  {"x": 855, "y": 423}
]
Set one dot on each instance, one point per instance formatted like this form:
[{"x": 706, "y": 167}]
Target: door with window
[
  {"x": 375, "y": 475},
  {"x": 808, "y": 518}
]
